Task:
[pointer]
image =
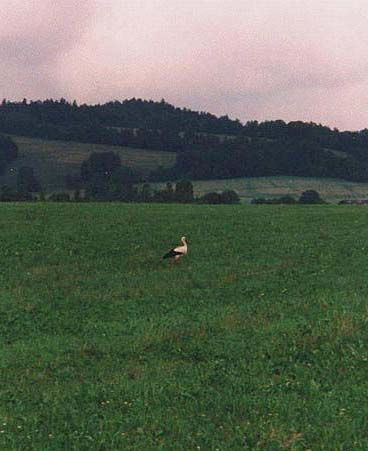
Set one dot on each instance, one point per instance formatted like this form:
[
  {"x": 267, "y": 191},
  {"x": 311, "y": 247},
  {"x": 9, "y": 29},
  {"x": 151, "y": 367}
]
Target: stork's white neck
[{"x": 184, "y": 241}]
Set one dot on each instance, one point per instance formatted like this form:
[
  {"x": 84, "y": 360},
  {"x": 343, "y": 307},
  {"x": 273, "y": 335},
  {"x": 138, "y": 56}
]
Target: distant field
[
  {"x": 249, "y": 188},
  {"x": 53, "y": 160},
  {"x": 256, "y": 341}
]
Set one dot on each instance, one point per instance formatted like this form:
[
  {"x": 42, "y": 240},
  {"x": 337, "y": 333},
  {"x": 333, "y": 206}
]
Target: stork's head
[{"x": 184, "y": 239}]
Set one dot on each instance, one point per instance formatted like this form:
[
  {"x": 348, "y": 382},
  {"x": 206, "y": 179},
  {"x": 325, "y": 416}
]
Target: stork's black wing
[{"x": 172, "y": 253}]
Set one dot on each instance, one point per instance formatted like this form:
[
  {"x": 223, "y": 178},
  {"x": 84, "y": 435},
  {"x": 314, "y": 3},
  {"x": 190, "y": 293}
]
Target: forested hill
[
  {"x": 207, "y": 146},
  {"x": 52, "y": 115}
]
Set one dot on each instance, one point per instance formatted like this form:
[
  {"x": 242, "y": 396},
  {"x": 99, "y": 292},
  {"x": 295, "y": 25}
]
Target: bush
[
  {"x": 258, "y": 201},
  {"x": 226, "y": 197},
  {"x": 77, "y": 196},
  {"x": 229, "y": 197},
  {"x": 310, "y": 197},
  {"x": 287, "y": 200},
  {"x": 210, "y": 198},
  {"x": 166, "y": 195},
  {"x": 59, "y": 197},
  {"x": 7, "y": 194},
  {"x": 184, "y": 191}
]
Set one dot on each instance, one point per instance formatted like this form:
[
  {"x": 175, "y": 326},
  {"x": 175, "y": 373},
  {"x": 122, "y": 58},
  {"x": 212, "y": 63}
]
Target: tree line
[
  {"x": 103, "y": 178},
  {"x": 261, "y": 157},
  {"x": 309, "y": 196}
]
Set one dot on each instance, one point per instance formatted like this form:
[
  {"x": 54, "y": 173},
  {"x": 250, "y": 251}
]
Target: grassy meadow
[
  {"x": 257, "y": 340},
  {"x": 248, "y": 188},
  {"x": 53, "y": 160}
]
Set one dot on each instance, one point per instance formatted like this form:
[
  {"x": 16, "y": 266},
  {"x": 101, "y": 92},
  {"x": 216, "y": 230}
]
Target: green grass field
[
  {"x": 332, "y": 190},
  {"x": 257, "y": 340},
  {"x": 53, "y": 160}
]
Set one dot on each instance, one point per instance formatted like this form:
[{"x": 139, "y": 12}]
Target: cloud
[{"x": 33, "y": 37}]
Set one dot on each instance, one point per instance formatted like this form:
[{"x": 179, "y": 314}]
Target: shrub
[
  {"x": 310, "y": 197},
  {"x": 258, "y": 201},
  {"x": 184, "y": 191},
  {"x": 229, "y": 197},
  {"x": 8, "y": 194},
  {"x": 59, "y": 197},
  {"x": 226, "y": 197},
  {"x": 210, "y": 198},
  {"x": 287, "y": 200}
]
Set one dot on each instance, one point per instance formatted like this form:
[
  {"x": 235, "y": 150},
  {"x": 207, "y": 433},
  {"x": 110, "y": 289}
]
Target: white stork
[{"x": 178, "y": 252}]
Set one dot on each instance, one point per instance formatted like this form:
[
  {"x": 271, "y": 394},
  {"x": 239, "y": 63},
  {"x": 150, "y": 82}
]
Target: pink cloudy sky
[{"x": 250, "y": 59}]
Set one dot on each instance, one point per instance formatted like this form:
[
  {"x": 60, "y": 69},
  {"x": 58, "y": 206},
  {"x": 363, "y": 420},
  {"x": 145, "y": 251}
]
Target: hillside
[
  {"x": 207, "y": 147},
  {"x": 54, "y": 160},
  {"x": 256, "y": 341}
]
